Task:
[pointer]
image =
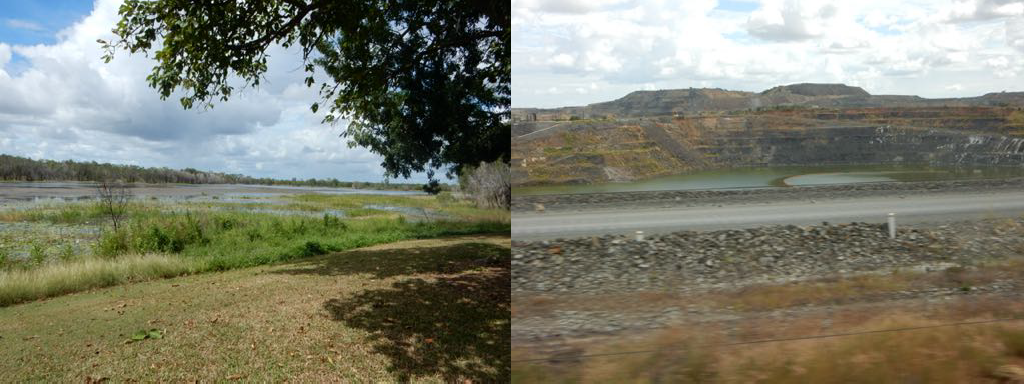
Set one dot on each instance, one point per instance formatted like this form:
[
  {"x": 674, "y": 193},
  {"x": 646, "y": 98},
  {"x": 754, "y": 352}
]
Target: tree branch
[{"x": 263, "y": 42}]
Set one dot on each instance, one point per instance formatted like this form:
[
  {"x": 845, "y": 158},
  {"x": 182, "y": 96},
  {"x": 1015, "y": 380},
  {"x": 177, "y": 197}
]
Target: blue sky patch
[
  {"x": 736, "y": 5},
  {"x": 30, "y": 22}
]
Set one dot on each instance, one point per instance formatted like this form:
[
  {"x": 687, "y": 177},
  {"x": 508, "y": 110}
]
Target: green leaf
[
  {"x": 139, "y": 335},
  {"x": 155, "y": 334},
  {"x": 314, "y": 107}
]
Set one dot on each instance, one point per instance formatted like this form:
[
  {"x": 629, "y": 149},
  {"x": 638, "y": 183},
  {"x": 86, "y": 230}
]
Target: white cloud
[
  {"x": 564, "y": 60},
  {"x": 1015, "y": 33},
  {"x": 67, "y": 104},
  {"x": 998, "y": 62},
  {"x": 789, "y": 20},
  {"x": 5, "y": 57},
  {"x": 565, "y": 6},
  {"x": 887, "y": 46},
  {"x": 975, "y": 10},
  {"x": 23, "y": 24}
]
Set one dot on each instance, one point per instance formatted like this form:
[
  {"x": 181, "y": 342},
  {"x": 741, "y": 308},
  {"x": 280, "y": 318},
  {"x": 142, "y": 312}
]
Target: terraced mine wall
[
  {"x": 648, "y": 148},
  {"x": 862, "y": 145}
]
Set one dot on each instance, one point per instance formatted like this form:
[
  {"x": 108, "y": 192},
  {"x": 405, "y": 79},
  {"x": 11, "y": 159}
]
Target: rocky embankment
[
  {"x": 695, "y": 261},
  {"x": 711, "y": 197}
]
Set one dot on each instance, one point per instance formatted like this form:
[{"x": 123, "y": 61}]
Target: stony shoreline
[
  {"x": 752, "y": 196},
  {"x": 695, "y": 261}
]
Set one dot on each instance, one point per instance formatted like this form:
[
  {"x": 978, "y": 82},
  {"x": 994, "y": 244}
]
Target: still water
[
  {"x": 72, "y": 191},
  {"x": 783, "y": 176}
]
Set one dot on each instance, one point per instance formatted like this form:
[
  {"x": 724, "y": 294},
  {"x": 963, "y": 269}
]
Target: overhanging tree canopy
[{"x": 425, "y": 84}]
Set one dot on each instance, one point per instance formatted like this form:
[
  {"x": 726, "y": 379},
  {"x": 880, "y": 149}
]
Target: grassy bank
[
  {"x": 193, "y": 238},
  {"x": 432, "y": 310}
]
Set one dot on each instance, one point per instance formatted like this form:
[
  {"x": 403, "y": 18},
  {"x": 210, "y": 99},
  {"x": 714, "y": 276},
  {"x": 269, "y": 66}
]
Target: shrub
[
  {"x": 227, "y": 223},
  {"x": 69, "y": 216},
  {"x": 113, "y": 201},
  {"x": 445, "y": 198},
  {"x": 5, "y": 258},
  {"x": 432, "y": 187},
  {"x": 253, "y": 234},
  {"x": 37, "y": 254},
  {"x": 194, "y": 231},
  {"x": 312, "y": 248},
  {"x": 112, "y": 243},
  {"x": 154, "y": 240},
  {"x": 333, "y": 222},
  {"x": 67, "y": 253},
  {"x": 490, "y": 184}
]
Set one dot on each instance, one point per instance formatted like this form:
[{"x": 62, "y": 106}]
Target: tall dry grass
[
  {"x": 61, "y": 278},
  {"x": 987, "y": 353}
]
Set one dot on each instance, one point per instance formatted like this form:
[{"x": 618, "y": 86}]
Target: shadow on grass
[
  {"x": 453, "y": 321},
  {"x": 385, "y": 263}
]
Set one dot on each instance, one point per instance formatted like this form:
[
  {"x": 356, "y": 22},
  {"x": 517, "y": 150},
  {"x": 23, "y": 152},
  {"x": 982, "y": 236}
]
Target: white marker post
[
  {"x": 892, "y": 225},
  {"x": 639, "y": 235}
]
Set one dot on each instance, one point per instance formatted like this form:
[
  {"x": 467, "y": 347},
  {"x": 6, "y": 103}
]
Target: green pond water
[{"x": 782, "y": 176}]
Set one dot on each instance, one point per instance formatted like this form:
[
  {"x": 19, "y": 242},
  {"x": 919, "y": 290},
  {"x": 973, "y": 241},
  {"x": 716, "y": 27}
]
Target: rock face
[
  {"x": 863, "y": 145},
  {"x": 650, "y": 148},
  {"x": 739, "y": 257},
  {"x": 655, "y": 133}
]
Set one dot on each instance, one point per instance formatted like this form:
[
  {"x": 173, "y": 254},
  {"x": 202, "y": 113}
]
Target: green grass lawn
[{"x": 422, "y": 310}]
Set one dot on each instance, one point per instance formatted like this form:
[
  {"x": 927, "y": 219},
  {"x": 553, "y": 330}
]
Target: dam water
[{"x": 783, "y": 176}]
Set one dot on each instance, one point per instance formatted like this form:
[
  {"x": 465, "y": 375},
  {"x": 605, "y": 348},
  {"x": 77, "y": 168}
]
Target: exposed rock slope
[{"x": 654, "y": 133}]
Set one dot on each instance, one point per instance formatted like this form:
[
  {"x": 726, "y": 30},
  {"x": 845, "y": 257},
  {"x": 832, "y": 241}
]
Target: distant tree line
[{"x": 26, "y": 169}]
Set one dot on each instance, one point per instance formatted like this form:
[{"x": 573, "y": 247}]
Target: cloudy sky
[
  {"x": 575, "y": 52},
  {"x": 58, "y": 100}
]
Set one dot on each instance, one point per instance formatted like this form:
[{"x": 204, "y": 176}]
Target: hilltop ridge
[
  {"x": 808, "y": 95},
  {"x": 816, "y": 89}
]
